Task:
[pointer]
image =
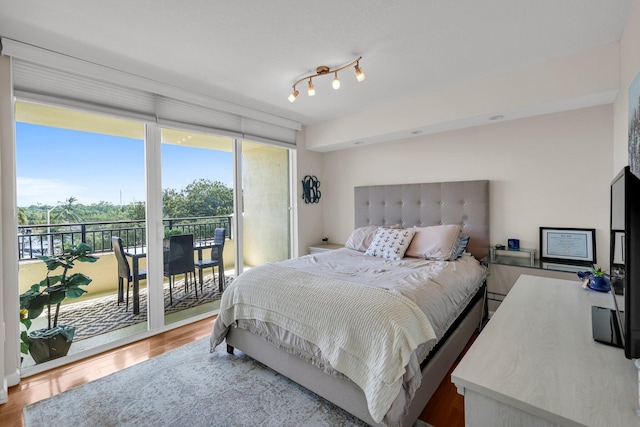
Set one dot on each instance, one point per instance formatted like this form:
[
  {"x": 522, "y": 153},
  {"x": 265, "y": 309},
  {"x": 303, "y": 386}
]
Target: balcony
[{"x": 97, "y": 316}]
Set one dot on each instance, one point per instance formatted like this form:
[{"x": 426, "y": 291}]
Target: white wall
[
  {"x": 629, "y": 69},
  {"x": 552, "y": 170},
  {"x": 310, "y": 221}
]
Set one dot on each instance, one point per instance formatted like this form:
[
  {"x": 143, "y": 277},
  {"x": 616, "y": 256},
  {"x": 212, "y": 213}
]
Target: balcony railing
[{"x": 36, "y": 240}]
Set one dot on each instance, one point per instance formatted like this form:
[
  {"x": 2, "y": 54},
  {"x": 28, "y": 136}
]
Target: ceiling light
[
  {"x": 293, "y": 95},
  {"x": 359, "y": 73},
  {"x": 322, "y": 70},
  {"x": 312, "y": 90}
]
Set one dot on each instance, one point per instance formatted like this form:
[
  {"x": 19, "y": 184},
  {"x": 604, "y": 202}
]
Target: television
[{"x": 624, "y": 266}]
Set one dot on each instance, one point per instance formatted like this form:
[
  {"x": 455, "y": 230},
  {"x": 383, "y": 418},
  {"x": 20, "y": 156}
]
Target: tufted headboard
[{"x": 461, "y": 202}]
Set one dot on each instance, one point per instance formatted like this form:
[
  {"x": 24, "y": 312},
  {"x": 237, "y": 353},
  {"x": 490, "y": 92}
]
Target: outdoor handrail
[{"x": 33, "y": 239}]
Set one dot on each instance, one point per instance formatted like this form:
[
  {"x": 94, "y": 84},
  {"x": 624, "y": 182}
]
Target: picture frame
[{"x": 575, "y": 246}]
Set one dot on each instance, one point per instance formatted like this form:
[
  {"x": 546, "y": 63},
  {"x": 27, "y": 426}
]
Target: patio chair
[
  {"x": 124, "y": 271},
  {"x": 219, "y": 236},
  {"x": 180, "y": 261}
]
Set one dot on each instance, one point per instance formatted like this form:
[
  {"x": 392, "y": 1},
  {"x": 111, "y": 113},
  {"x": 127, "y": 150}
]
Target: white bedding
[{"x": 440, "y": 289}]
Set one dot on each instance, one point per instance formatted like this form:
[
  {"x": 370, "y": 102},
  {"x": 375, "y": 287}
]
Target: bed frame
[{"x": 462, "y": 202}]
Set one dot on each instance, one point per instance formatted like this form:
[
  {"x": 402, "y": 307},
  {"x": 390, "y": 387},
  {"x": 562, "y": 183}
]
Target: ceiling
[{"x": 250, "y": 52}]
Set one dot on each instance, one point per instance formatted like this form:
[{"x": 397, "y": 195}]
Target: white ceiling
[{"x": 250, "y": 52}]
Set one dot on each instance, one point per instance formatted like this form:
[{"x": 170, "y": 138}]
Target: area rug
[
  {"x": 190, "y": 387},
  {"x": 101, "y": 315}
]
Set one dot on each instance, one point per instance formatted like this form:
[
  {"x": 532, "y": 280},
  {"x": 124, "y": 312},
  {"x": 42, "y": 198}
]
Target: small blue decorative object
[
  {"x": 596, "y": 283},
  {"x": 513, "y": 244},
  {"x": 600, "y": 284}
]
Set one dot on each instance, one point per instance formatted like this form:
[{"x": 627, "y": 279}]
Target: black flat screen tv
[{"x": 624, "y": 267}]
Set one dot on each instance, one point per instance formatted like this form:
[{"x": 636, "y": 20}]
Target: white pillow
[
  {"x": 437, "y": 242},
  {"x": 361, "y": 238},
  {"x": 390, "y": 243}
]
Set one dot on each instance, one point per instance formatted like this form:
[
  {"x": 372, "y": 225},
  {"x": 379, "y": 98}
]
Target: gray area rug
[{"x": 190, "y": 387}]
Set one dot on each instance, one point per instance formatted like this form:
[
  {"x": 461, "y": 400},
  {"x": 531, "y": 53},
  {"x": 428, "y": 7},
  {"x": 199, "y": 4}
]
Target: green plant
[
  {"x": 171, "y": 232},
  {"x": 54, "y": 289},
  {"x": 597, "y": 271}
]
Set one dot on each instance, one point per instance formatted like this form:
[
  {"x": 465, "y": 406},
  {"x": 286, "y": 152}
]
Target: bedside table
[
  {"x": 323, "y": 247},
  {"x": 506, "y": 266}
]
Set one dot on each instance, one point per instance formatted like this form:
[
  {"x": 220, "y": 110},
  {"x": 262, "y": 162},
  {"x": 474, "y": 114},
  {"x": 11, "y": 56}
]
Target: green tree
[
  {"x": 22, "y": 216},
  {"x": 135, "y": 210},
  {"x": 69, "y": 211},
  {"x": 206, "y": 198},
  {"x": 173, "y": 204}
]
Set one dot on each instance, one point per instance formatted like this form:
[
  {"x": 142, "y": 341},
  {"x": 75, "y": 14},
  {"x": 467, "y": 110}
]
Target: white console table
[{"x": 536, "y": 364}]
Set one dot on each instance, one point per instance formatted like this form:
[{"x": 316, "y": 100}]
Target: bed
[{"x": 422, "y": 340}]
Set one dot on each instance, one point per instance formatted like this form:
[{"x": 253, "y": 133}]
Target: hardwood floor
[
  {"x": 444, "y": 409},
  {"x": 446, "y": 406}
]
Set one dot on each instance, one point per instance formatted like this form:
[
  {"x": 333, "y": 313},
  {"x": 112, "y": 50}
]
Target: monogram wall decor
[{"x": 311, "y": 189}]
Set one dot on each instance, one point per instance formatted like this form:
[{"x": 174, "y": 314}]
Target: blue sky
[{"x": 54, "y": 164}]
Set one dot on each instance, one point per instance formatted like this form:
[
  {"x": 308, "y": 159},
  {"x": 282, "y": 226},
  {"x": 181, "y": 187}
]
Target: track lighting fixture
[
  {"x": 312, "y": 90},
  {"x": 336, "y": 82},
  {"x": 321, "y": 71},
  {"x": 294, "y": 95}
]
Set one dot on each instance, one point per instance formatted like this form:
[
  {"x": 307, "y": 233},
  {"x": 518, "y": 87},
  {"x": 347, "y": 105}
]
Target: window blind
[{"x": 42, "y": 74}]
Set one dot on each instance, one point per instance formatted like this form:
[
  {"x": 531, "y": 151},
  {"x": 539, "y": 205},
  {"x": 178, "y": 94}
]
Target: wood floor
[{"x": 444, "y": 409}]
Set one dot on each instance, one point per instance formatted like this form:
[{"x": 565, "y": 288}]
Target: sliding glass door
[
  {"x": 197, "y": 186},
  {"x": 84, "y": 177},
  {"x": 80, "y": 178}
]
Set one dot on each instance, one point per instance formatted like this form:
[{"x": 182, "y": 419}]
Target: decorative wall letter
[{"x": 311, "y": 189}]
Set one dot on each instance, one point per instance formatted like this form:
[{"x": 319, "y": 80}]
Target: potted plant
[
  {"x": 54, "y": 340},
  {"x": 596, "y": 279}
]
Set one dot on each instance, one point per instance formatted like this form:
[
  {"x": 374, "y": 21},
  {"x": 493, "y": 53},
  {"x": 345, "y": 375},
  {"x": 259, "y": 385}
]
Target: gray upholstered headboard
[{"x": 461, "y": 202}]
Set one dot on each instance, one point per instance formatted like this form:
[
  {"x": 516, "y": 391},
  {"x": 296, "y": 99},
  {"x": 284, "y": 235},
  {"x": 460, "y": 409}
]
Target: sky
[{"x": 54, "y": 164}]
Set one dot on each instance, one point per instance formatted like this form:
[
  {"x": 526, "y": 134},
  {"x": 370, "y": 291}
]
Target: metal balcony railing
[{"x": 40, "y": 239}]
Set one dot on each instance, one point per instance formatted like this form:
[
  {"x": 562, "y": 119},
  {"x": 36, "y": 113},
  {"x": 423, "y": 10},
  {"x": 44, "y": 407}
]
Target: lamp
[{"x": 323, "y": 70}]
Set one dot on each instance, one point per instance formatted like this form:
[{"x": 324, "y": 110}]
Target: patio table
[{"x": 138, "y": 252}]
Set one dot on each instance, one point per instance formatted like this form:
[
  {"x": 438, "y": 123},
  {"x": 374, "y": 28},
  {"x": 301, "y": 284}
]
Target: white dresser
[{"x": 536, "y": 364}]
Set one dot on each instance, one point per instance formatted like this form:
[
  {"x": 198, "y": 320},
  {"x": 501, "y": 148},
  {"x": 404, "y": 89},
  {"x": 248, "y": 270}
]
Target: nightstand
[
  {"x": 323, "y": 247},
  {"x": 506, "y": 266}
]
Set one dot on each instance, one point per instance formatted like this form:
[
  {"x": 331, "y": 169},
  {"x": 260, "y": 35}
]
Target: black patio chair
[
  {"x": 124, "y": 271},
  {"x": 219, "y": 236},
  {"x": 180, "y": 261}
]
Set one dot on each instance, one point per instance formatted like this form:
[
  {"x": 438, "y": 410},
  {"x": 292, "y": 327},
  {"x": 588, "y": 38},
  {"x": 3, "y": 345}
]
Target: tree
[
  {"x": 135, "y": 210},
  {"x": 200, "y": 198},
  {"x": 68, "y": 211},
  {"x": 22, "y": 216}
]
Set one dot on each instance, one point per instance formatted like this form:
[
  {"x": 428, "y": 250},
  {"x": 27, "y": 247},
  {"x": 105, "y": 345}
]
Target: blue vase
[{"x": 600, "y": 284}]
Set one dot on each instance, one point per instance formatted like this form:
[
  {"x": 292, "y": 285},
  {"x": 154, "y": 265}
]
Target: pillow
[
  {"x": 437, "y": 242},
  {"x": 463, "y": 241},
  {"x": 390, "y": 243},
  {"x": 361, "y": 238}
]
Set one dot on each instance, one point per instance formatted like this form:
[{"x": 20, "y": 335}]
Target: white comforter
[
  {"x": 439, "y": 289},
  {"x": 366, "y": 333}
]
